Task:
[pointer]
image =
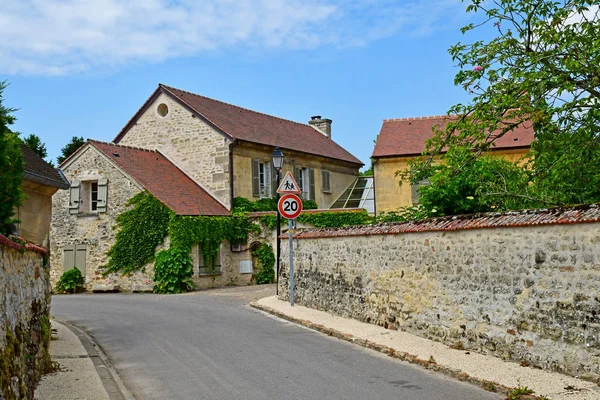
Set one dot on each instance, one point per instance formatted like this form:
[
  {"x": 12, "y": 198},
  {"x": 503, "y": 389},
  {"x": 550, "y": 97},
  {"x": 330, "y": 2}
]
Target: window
[
  {"x": 305, "y": 177},
  {"x": 162, "y": 110},
  {"x": 264, "y": 179},
  {"x": 74, "y": 255},
  {"x": 325, "y": 181},
  {"x": 205, "y": 267},
  {"x": 94, "y": 196},
  {"x": 88, "y": 196},
  {"x": 414, "y": 190}
]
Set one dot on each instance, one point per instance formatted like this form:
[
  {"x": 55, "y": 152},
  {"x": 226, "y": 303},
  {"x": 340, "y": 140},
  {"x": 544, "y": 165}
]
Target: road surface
[{"x": 211, "y": 345}]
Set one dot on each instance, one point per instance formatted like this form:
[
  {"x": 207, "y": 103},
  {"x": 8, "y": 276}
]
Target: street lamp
[{"x": 277, "y": 157}]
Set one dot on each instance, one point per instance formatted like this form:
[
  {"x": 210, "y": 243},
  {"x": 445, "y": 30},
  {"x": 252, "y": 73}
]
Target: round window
[{"x": 162, "y": 110}]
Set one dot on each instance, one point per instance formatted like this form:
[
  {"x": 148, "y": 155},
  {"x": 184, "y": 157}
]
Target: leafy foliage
[
  {"x": 141, "y": 230},
  {"x": 405, "y": 214},
  {"x": 70, "y": 148},
  {"x": 242, "y": 204},
  {"x": 11, "y": 167},
  {"x": 542, "y": 70},
  {"x": 324, "y": 219},
  {"x": 266, "y": 258},
  {"x": 71, "y": 281},
  {"x": 35, "y": 143},
  {"x": 173, "y": 271}
]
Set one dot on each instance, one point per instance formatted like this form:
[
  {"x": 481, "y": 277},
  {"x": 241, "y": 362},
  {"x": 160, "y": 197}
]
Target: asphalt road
[{"x": 211, "y": 345}]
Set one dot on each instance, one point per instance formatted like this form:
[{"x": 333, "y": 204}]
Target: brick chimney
[{"x": 323, "y": 125}]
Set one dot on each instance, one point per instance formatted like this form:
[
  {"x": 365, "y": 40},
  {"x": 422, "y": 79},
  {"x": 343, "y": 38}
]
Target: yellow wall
[
  {"x": 390, "y": 195},
  {"x": 35, "y": 213},
  {"x": 342, "y": 175}
]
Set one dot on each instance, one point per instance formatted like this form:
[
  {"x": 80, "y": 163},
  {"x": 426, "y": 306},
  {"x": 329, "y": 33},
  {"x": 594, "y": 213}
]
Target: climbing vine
[
  {"x": 266, "y": 258},
  {"x": 141, "y": 230},
  {"x": 324, "y": 219},
  {"x": 147, "y": 224}
]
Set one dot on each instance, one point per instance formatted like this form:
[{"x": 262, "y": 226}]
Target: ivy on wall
[
  {"x": 141, "y": 230},
  {"x": 324, "y": 219},
  {"x": 146, "y": 225},
  {"x": 266, "y": 258}
]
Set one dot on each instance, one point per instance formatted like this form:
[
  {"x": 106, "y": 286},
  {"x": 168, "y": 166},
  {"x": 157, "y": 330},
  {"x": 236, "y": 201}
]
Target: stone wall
[
  {"x": 522, "y": 286},
  {"x": 193, "y": 145},
  {"x": 93, "y": 230},
  {"x": 24, "y": 312}
]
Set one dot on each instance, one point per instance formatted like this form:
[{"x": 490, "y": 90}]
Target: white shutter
[
  {"x": 74, "y": 193},
  {"x": 102, "y": 195}
]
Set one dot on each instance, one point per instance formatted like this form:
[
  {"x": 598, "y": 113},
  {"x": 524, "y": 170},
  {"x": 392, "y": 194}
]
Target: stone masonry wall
[
  {"x": 24, "y": 312},
  {"x": 525, "y": 293},
  {"x": 190, "y": 143},
  {"x": 94, "y": 230}
]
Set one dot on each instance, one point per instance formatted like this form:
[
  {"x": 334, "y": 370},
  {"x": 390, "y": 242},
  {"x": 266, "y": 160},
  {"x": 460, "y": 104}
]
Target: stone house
[
  {"x": 227, "y": 149},
  {"x": 40, "y": 182},
  {"x": 403, "y": 139},
  {"x": 195, "y": 155},
  {"x": 104, "y": 176}
]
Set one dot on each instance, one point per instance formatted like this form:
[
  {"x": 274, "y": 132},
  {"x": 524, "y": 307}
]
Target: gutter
[{"x": 44, "y": 180}]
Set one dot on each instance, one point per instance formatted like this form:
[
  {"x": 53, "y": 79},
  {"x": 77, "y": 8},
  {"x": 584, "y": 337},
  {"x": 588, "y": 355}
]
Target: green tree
[
  {"x": 542, "y": 68},
  {"x": 35, "y": 143},
  {"x": 70, "y": 148},
  {"x": 11, "y": 166}
]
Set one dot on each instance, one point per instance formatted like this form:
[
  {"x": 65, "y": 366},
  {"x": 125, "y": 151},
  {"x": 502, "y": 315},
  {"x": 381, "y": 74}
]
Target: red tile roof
[
  {"x": 407, "y": 136},
  {"x": 163, "y": 179},
  {"x": 23, "y": 245},
  {"x": 553, "y": 216},
  {"x": 242, "y": 124}
]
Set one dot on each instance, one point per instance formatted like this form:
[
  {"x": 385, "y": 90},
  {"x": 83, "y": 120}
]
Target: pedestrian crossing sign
[{"x": 288, "y": 185}]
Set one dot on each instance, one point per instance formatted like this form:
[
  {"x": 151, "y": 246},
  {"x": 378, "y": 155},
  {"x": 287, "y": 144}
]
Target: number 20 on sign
[{"x": 290, "y": 206}]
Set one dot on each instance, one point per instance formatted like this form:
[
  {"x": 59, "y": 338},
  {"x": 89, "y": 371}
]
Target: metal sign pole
[{"x": 291, "y": 244}]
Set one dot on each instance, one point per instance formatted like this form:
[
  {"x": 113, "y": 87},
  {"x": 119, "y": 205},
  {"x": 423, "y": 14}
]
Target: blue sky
[{"x": 84, "y": 68}]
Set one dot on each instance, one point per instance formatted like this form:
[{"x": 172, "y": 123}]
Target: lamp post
[{"x": 277, "y": 157}]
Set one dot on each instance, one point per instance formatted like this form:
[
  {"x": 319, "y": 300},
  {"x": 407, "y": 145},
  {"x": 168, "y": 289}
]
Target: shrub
[
  {"x": 70, "y": 282},
  {"x": 173, "y": 270}
]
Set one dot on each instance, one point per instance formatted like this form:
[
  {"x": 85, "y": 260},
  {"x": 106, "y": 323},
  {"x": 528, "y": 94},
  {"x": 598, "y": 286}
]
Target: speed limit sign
[{"x": 289, "y": 206}]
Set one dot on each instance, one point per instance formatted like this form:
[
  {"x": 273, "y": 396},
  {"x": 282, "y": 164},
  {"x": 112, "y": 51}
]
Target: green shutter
[
  {"x": 325, "y": 181},
  {"x": 255, "y": 179},
  {"x": 311, "y": 184},
  {"x": 273, "y": 181},
  {"x": 102, "y": 194}
]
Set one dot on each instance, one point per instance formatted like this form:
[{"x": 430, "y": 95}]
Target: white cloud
[{"x": 54, "y": 37}]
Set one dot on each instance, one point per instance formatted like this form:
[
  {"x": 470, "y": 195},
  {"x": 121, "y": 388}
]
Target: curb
[
  {"x": 489, "y": 386},
  {"x": 115, "y": 388}
]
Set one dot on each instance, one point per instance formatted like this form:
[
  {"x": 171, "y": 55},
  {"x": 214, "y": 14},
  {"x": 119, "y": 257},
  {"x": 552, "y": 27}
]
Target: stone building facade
[
  {"x": 522, "y": 286},
  {"x": 195, "y": 155},
  {"x": 223, "y": 146}
]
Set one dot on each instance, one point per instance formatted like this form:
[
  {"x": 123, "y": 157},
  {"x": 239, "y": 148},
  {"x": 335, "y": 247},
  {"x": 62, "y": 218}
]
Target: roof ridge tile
[
  {"x": 233, "y": 105},
  {"x": 123, "y": 146}
]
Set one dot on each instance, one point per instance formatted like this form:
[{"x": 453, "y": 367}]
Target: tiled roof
[
  {"x": 251, "y": 126},
  {"x": 163, "y": 179},
  {"x": 552, "y": 216},
  {"x": 23, "y": 246},
  {"x": 38, "y": 170},
  {"x": 407, "y": 136}
]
